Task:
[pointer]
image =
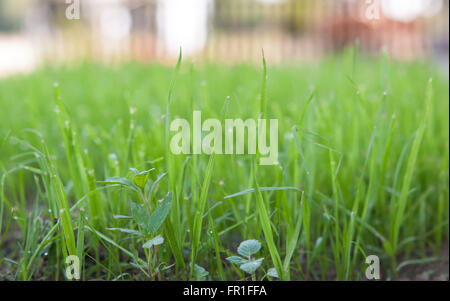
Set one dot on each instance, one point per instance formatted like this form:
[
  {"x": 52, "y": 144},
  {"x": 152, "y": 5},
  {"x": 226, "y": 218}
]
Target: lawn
[{"x": 86, "y": 170}]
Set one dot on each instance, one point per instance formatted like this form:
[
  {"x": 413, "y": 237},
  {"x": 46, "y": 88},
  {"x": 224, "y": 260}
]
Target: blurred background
[{"x": 227, "y": 31}]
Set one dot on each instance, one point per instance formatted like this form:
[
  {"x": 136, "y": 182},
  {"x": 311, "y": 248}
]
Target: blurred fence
[{"x": 229, "y": 30}]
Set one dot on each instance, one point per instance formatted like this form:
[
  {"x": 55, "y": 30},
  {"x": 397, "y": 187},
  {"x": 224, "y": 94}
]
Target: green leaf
[
  {"x": 237, "y": 260},
  {"x": 272, "y": 272},
  {"x": 129, "y": 231},
  {"x": 118, "y": 216},
  {"x": 140, "y": 178},
  {"x": 160, "y": 214},
  {"x": 140, "y": 216},
  {"x": 251, "y": 266},
  {"x": 155, "y": 241},
  {"x": 119, "y": 181},
  {"x": 266, "y": 226},
  {"x": 249, "y": 247},
  {"x": 201, "y": 205},
  {"x": 250, "y": 190},
  {"x": 134, "y": 170},
  {"x": 199, "y": 272},
  {"x": 158, "y": 179}
]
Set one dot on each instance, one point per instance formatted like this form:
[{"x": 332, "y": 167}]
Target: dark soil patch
[{"x": 437, "y": 270}]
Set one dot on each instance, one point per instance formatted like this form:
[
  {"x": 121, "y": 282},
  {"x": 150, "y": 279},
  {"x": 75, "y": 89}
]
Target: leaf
[
  {"x": 201, "y": 205},
  {"x": 251, "y": 266},
  {"x": 140, "y": 178},
  {"x": 119, "y": 181},
  {"x": 155, "y": 241},
  {"x": 266, "y": 225},
  {"x": 140, "y": 216},
  {"x": 272, "y": 272},
  {"x": 292, "y": 239},
  {"x": 134, "y": 170},
  {"x": 129, "y": 231},
  {"x": 158, "y": 179},
  {"x": 237, "y": 260},
  {"x": 250, "y": 190},
  {"x": 416, "y": 261},
  {"x": 118, "y": 216},
  {"x": 200, "y": 272},
  {"x": 160, "y": 214},
  {"x": 249, "y": 247}
]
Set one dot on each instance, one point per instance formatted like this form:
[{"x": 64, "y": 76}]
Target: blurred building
[{"x": 32, "y": 31}]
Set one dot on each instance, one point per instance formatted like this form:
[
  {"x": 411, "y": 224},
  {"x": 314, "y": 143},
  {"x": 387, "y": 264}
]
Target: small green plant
[
  {"x": 148, "y": 223},
  {"x": 247, "y": 263},
  {"x": 200, "y": 273},
  {"x": 272, "y": 272}
]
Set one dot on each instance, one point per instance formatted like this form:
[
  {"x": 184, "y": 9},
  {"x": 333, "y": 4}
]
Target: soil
[{"x": 433, "y": 271}]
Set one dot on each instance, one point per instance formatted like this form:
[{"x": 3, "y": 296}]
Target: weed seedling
[{"x": 247, "y": 263}]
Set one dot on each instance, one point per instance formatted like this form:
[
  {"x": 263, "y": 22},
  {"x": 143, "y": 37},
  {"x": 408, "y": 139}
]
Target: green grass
[{"x": 361, "y": 172}]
